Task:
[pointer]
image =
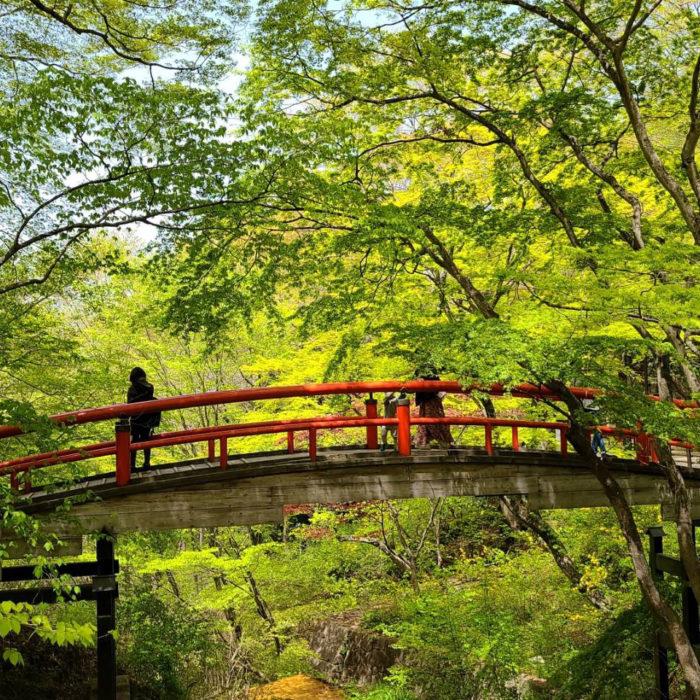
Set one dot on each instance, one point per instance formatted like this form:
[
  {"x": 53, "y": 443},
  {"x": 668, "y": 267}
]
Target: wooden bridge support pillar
[
  {"x": 371, "y": 412},
  {"x": 105, "y": 589},
  {"x": 656, "y": 547},
  {"x": 663, "y": 688}
]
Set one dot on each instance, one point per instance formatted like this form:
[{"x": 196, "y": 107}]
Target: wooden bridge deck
[{"x": 255, "y": 487}]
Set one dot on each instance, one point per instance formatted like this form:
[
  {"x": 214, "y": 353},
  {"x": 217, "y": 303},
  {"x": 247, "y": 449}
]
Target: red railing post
[
  {"x": 14, "y": 481},
  {"x": 403, "y": 434},
  {"x": 27, "y": 481},
  {"x": 516, "y": 440},
  {"x": 488, "y": 439},
  {"x": 122, "y": 439},
  {"x": 312, "y": 444},
  {"x": 371, "y": 412},
  {"x": 223, "y": 452},
  {"x": 563, "y": 442},
  {"x": 211, "y": 450},
  {"x": 290, "y": 442}
]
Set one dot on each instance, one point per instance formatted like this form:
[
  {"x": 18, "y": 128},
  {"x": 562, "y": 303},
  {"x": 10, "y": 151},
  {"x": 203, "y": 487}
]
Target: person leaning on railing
[
  {"x": 142, "y": 424},
  {"x": 390, "y": 402}
]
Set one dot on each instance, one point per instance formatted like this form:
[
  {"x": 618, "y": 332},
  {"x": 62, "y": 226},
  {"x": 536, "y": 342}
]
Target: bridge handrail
[
  {"x": 122, "y": 447},
  {"x": 211, "y": 398},
  {"x": 177, "y": 437},
  {"x": 221, "y": 433}
]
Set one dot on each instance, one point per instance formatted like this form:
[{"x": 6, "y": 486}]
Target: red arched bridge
[{"x": 224, "y": 488}]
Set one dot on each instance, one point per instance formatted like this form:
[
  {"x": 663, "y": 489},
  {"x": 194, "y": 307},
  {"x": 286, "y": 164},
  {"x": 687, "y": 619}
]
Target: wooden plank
[
  {"x": 168, "y": 520},
  {"x": 16, "y": 549},
  {"x": 75, "y": 569},
  {"x": 209, "y": 475},
  {"x": 671, "y": 565},
  {"x": 193, "y": 508},
  {"x": 358, "y": 484}
]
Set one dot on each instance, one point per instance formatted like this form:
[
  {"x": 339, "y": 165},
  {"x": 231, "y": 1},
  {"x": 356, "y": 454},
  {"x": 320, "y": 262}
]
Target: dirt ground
[{"x": 298, "y": 687}]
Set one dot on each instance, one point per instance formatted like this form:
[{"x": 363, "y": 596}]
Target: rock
[
  {"x": 345, "y": 652},
  {"x": 525, "y": 684}
]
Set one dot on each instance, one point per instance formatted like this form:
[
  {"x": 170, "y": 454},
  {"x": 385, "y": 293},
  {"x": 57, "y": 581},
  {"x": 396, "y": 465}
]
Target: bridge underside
[{"x": 254, "y": 488}]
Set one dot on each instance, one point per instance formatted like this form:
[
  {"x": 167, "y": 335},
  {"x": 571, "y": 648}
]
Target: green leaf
[
  {"x": 13, "y": 656},
  {"x": 5, "y": 626}
]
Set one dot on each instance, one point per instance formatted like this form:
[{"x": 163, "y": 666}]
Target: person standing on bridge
[
  {"x": 597, "y": 442},
  {"x": 142, "y": 424},
  {"x": 390, "y": 403},
  {"x": 430, "y": 406}
]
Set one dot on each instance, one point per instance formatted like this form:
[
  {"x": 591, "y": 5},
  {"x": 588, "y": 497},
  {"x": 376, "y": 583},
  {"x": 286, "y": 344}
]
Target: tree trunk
[
  {"x": 691, "y": 377},
  {"x": 663, "y": 377},
  {"x": 662, "y": 611},
  {"x": 263, "y": 610},
  {"x": 519, "y": 516},
  {"x": 533, "y": 521},
  {"x": 438, "y": 550}
]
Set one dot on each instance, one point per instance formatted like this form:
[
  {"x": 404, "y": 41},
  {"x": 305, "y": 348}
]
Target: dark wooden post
[
  {"x": 663, "y": 688},
  {"x": 105, "y": 589},
  {"x": 691, "y": 614},
  {"x": 691, "y": 619},
  {"x": 656, "y": 547}
]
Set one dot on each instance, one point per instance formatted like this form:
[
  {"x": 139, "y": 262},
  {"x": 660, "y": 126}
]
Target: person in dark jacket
[{"x": 142, "y": 424}]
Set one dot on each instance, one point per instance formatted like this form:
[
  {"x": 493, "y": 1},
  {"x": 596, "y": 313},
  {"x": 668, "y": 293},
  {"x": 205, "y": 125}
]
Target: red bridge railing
[{"x": 215, "y": 436}]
